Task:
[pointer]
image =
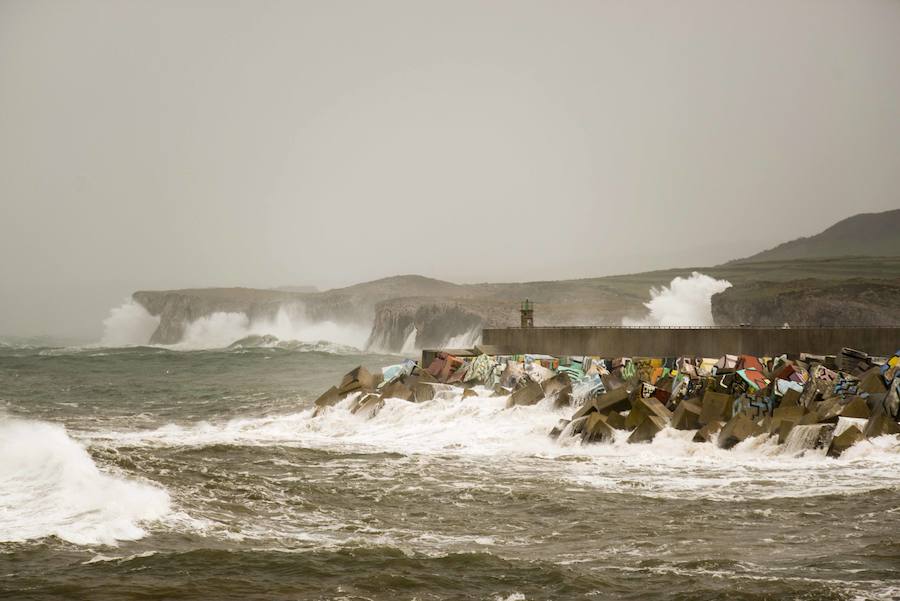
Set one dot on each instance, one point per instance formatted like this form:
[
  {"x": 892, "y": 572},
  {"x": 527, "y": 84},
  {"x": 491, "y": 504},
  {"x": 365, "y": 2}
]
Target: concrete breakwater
[
  {"x": 812, "y": 401},
  {"x": 616, "y": 341}
]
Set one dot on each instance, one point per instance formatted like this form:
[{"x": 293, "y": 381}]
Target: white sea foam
[
  {"x": 50, "y": 486},
  {"x": 672, "y": 466},
  {"x": 220, "y": 329},
  {"x": 466, "y": 339},
  {"x": 684, "y": 302},
  {"x": 409, "y": 345},
  {"x": 481, "y": 426},
  {"x": 477, "y": 425},
  {"x": 128, "y": 324}
]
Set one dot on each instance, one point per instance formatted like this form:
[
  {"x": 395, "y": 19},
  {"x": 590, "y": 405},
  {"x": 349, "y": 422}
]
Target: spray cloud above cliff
[{"x": 684, "y": 302}]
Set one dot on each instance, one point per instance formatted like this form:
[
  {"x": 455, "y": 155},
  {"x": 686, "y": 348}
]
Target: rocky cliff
[
  {"x": 353, "y": 305},
  {"x": 435, "y": 312},
  {"x": 178, "y": 308},
  {"x": 432, "y": 323},
  {"x": 810, "y": 302},
  {"x": 842, "y": 291}
]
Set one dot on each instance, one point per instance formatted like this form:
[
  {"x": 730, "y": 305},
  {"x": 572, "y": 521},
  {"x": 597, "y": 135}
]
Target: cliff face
[
  {"x": 845, "y": 291},
  {"x": 177, "y": 308},
  {"x": 434, "y": 322},
  {"x": 854, "y": 302},
  {"x": 354, "y": 305}
]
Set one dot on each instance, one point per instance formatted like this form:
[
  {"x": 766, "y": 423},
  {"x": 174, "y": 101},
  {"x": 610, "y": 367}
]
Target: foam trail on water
[
  {"x": 684, "y": 302},
  {"x": 50, "y": 486},
  {"x": 129, "y": 324}
]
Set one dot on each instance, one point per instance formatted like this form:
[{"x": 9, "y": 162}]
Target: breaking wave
[
  {"x": 129, "y": 324},
  {"x": 476, "y": 425},
  {"x": 219, "y": 330},
  {"x": 684, "y": 302},
  {"x": 481, "y": 427},
  {"x": 50, "y": 486}
]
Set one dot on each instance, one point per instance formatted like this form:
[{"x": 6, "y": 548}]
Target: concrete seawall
[{"x": 702, "y": 342}]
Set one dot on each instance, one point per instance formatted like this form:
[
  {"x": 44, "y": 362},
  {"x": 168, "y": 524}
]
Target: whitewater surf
[{"x": 124, "y": 468}]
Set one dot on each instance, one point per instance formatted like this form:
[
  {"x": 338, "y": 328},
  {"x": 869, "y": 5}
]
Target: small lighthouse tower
[{"x": 527, "y": 312}]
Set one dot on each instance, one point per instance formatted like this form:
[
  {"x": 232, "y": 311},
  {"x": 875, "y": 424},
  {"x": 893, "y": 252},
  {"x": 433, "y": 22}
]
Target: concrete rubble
[{"x": 802, "y": 402}]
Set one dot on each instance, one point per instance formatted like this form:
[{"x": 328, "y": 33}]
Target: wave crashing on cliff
[
  {"x": 221, "y": 329},
  {"x": 130, "y": 324},
  {"x": 684, "y": 302},
  {"x": 50, "y": 486}
]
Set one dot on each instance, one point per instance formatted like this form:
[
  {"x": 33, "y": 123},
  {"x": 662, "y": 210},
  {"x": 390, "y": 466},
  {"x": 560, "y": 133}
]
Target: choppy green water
[{"x": 202, "y": 475}]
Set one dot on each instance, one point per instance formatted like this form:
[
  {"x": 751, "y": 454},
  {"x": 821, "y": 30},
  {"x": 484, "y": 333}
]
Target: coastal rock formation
[
  {"x": 178, "y": 308},
  {"x": 810, "y": 302},
  {"x": 429, "y": 323},
  {"x": 848, "y": 275},
  {"x": 354, "y": 305},
  {"x": 417, "y": 312}
]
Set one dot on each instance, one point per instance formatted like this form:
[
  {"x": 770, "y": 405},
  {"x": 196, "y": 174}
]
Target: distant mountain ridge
[{"x": 866, "y": 234}]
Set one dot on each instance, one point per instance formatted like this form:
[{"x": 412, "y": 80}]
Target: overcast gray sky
[{"x": 166, "y": 144}]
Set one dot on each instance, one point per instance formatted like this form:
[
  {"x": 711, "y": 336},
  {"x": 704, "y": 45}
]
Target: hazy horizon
[{"x": 172, "y": 145}]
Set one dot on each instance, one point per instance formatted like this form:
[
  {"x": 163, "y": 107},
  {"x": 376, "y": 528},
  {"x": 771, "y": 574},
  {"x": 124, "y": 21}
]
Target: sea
[{"x": 152, "y": 473}]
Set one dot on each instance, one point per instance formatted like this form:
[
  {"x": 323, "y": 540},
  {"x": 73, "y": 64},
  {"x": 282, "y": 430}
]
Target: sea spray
[
  {"x": 50, "y": 486},
  {"x": 477, "y": 425},
  {"x": 480, "y": 428},
  {"x": 808, "y": 437},
  {"x": 409, "y": 345},
  {"x": 220, "y": 329},
  {"x": 432, "y": 491},
  {"x": 129, "y": 324},
  {"x": 684, "y": 302},
  {"x": 467, "y": 339}
]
